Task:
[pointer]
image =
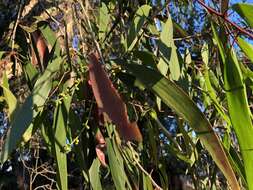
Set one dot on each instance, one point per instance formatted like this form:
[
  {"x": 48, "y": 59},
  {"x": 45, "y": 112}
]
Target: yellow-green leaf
[{"x": 245, "y": 11}]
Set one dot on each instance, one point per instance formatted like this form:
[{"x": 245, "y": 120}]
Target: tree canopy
[{"x": 134, "y": 94}]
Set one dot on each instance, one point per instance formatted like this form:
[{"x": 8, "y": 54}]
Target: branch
[
  {"x": 20, "y": 9},
  {"x": 148, "y": 175},
  {"x": 136, "y": 161},
  {"x": 224, "y": 17}
]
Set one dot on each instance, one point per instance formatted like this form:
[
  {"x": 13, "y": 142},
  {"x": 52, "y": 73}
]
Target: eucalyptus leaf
[
  {"x": 104, "y": 18},
  {"x": 136, "y": 26},
  {"x": 28, "y": 111},
  {"x": 180, "y": 102},
  {"x": 238, "y": 106},
  {"x": 246, "y": 47},
  {"x": 245, "y": 11}
]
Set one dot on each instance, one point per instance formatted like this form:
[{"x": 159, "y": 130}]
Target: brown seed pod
[{"x": 110, "y": 102}]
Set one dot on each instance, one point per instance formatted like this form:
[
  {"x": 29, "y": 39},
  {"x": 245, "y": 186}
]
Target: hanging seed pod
[{"x": 110, "y": 102}]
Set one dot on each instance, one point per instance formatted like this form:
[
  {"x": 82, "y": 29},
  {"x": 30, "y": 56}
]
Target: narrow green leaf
[
  {"x": 9, "y": 98},
  {"x": 48, "y": 33},
  {"x": 94, "y": 173},
  {"x": 51, "y": 38},
  {"x": 60, "y": 138},
  {"x": 238, "y": 108},
  {"x": 219, "y": 44},
  {"x": 60, "y": 127},
  {"x": 237, "y": 164},
  {"x": 168, "y": 52},
  {"x": 31, "y": 74},
  {"x": 239, "y": 112},
  {"x": 211, "y": 92},
  {"x": 147, "y": 184},
  {"x": 104, "y": 19},
  {"x": 246, "y": 48},
  {"x": 245, "y": 11},
  {"x": 165, "y": 48},
  {"x": 47, "y": 135},
  {"x": 116, "y": 166},
  {"x": 135, "y": 28},
  {"x": 180, "y": 102},
  {"x": 29, "y": 110}
]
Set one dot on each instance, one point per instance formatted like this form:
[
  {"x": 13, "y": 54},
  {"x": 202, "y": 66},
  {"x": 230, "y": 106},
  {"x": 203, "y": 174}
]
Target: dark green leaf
[{"x": 29, "y": 110}]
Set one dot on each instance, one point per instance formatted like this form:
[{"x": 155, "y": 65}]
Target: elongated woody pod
[{"x": 110, "y": 102}]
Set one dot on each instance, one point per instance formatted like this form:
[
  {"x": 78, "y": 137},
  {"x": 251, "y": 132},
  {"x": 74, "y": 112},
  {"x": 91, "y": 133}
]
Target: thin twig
[
  {"x": 168, "y": 134},
  {"x": 58, "y": 85},
  {"x": 67, "y": 45},
  {"x": 147, "y": 174},
  {"x": 20, "y": 5},
  {"x": 224, "y": 17},
  {"x": 190, "y": 37}
]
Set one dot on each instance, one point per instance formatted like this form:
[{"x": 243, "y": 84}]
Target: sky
[{"x": 237, "y": 1}]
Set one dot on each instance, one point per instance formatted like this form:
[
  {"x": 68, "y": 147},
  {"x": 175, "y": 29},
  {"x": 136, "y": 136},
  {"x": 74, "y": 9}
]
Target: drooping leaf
[
  {"x": 238, "y": 107},
  {"x": 180, "y": 102},
  {"x": 9, "y": 98},
  {"x": 29, "y": 110},
  {"x": 116, "y": 166},
  {"x": 31, "y": 74},
  {"x": 136, "y": 26},
  {"x": 94, "y": 173},
  {"x": 239, "y": 112},
  {"x": 168, "y": 57},
  {"x": 60, "y": 138},
  {"x": 246, "y": 47},
  {"x": 104, "y": 19},
  {"x": 168, "y": 52},
  {"x": 210, "y": 91},
  {"x": 165, "y": 46}
]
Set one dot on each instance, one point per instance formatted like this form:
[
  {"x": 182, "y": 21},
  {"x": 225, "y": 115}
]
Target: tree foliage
[{"x": 126, "y": 95}]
